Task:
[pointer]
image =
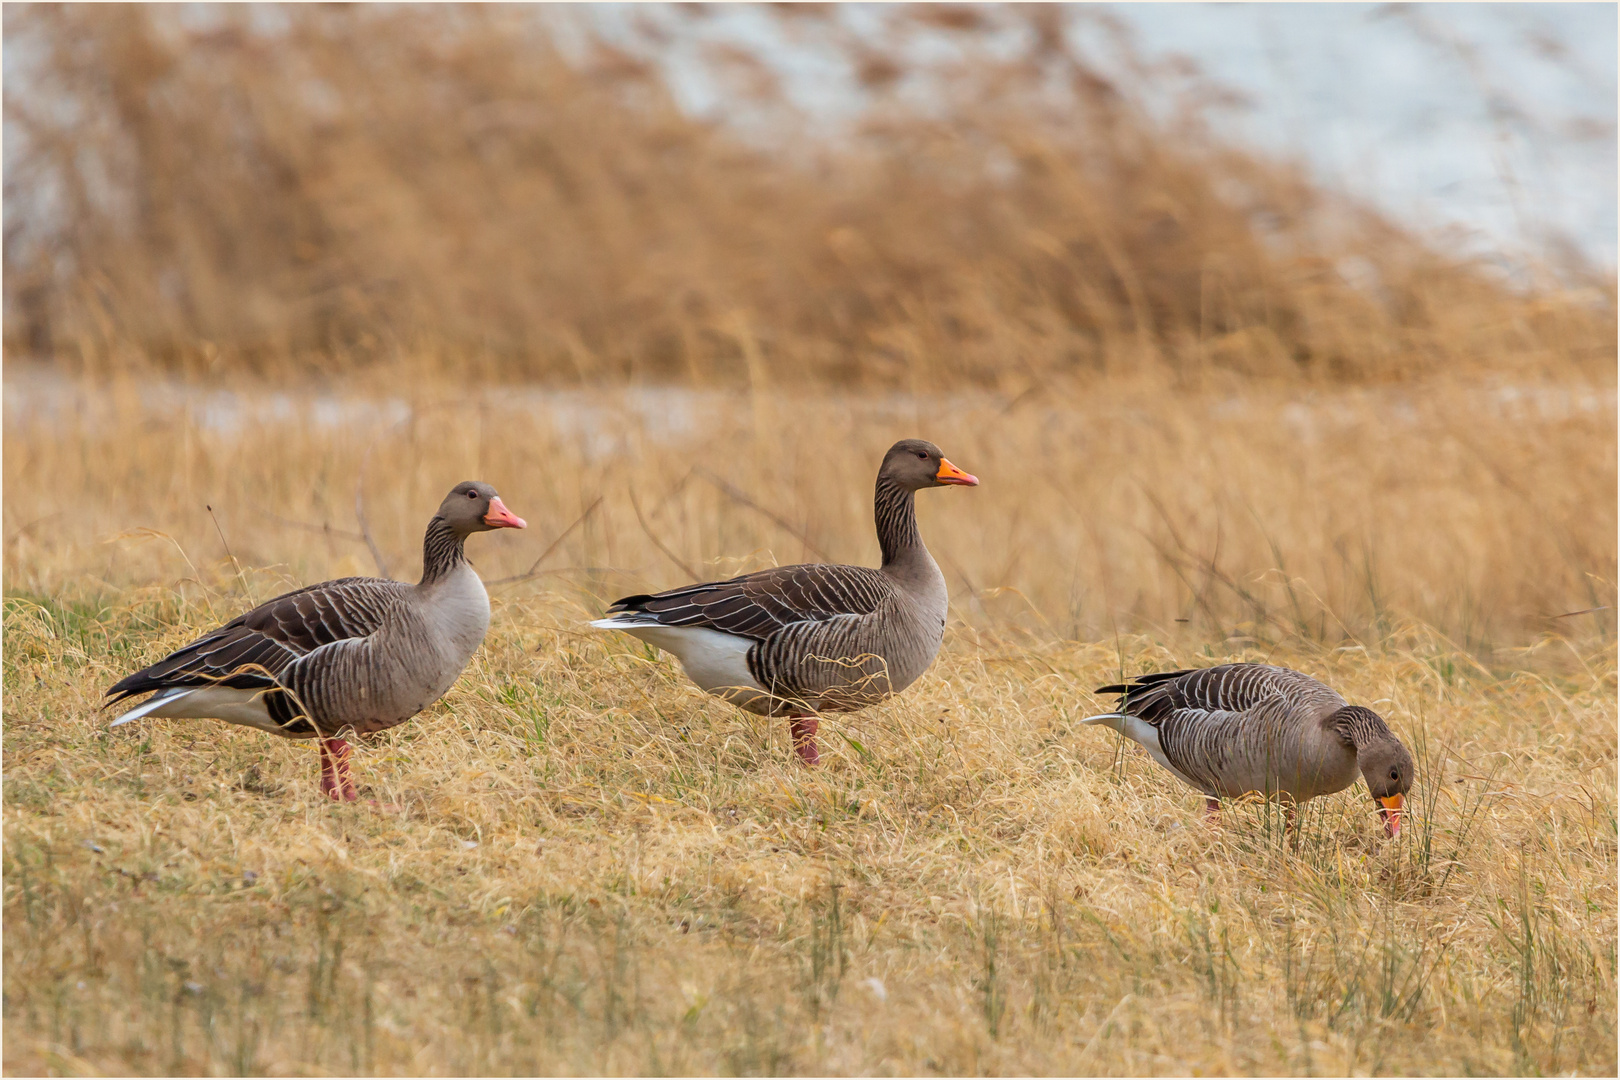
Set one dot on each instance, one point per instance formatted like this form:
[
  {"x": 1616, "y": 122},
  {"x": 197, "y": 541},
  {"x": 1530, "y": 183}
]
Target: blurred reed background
[{"x": 1200, "y": 387}]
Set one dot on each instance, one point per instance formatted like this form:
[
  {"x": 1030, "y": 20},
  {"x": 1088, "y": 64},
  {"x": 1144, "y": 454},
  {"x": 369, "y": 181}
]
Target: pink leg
[
  {"x": 335, "y": 781},
  {"x": 804, "y": 738},
  {"x": 1212, "y": 811}
]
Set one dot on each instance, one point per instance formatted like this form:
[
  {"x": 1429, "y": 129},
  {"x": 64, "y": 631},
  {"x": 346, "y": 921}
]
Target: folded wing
[
  {"x": 251, "y": 652},
  {"x": 759, "y": 604}
]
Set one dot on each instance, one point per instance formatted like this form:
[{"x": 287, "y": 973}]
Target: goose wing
[
  {"x": 1227, "y": 688},
  {"x": 759, "y": 604},
  {"x": 255, "y": 649}
]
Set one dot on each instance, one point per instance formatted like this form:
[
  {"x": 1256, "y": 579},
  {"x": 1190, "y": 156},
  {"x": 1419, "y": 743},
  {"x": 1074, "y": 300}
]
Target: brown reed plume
[{"x": 323, "y": 188}]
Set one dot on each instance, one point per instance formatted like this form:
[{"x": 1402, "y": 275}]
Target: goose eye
[
  {"x": 472, "y": 494},
  {"x": 922, "y": 455},
  {"x": 1394, "y": 774}
]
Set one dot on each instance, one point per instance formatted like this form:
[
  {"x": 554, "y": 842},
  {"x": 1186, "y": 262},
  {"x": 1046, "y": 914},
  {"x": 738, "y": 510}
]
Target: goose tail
[
  {"x": 150, "y": 705},
  {"x": 624, "y": 620},
  {"x": 1114, "y": 720}
]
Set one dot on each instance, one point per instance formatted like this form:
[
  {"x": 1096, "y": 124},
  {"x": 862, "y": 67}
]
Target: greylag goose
[
  {"x": 1237, "y": 728},
  {"x": 796, "y": 641},
  {"x": 357, "y": 653}
]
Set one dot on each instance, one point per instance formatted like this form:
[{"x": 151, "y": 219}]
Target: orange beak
[
  {"x": 1390, "y": 810},
  {"x": 950, "y": 474},
  {"x": 499, "y": 517}
]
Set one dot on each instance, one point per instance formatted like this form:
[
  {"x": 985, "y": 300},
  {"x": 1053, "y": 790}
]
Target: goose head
[
  {"x": 474, "y": 507},
  {"x": 1387, "y": 768},
  {"x": 915, "y": 464}
]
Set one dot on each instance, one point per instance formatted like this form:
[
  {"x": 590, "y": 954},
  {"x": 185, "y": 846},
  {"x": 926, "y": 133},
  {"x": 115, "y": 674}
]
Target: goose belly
[
  {"x": 375, "y": 683},
  {"x": 398, "y": 672},
  {"x": 714, "y": 660},
  {"x": 1295, "y": 770}
]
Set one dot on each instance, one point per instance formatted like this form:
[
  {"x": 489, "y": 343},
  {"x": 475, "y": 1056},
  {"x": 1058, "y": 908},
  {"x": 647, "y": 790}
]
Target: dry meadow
[{"x": 1215, "y": 415}]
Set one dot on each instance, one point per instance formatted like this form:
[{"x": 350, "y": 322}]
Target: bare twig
[
  {"x": 28, "y": 528},
  {"x": 324, "y": 529},
  {"x": 534, "y": 570},
  {"x": 360, "y": 514},
  {"x": 232, "y": 555},
  {"x": 1583, "y": 611},
  {"x": 751, "y": 504},
  {"x": 659, "y": 544},
  {"x": 674, "y": 491}
]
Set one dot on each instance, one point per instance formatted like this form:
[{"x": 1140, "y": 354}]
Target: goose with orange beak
[
  {"x": 801, "y": 641},
  {"x": 1240, "y": 728}
]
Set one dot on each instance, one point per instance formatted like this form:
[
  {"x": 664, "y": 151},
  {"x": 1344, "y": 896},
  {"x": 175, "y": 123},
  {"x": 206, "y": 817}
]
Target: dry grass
[
  {"x": 1242, "y": 512},
  {"x": 597, "y": 869}
]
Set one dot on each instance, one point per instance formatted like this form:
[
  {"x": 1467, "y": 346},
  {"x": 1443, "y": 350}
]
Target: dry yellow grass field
[
  {"x": 595, "y": 868},
  {"x": 1217, "y": 415}
]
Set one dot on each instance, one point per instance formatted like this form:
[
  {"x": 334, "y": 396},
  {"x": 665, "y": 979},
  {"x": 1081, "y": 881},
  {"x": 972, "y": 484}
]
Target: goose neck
[
  {"x": 442, "y": 551},
  {"x": 1361, "y": 727},
  {"x": 895, "y": 509}
]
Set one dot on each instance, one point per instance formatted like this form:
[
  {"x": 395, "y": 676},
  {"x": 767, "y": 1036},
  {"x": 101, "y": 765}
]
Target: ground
[{"x": 579, "y": 864}]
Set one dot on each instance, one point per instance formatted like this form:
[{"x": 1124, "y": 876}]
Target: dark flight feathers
[
  {"x": 1226, "y": 688},
  {"x": 759, "y": 604}
]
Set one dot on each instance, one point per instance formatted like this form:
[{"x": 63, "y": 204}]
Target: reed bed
[{"x": 508, "y": 194}]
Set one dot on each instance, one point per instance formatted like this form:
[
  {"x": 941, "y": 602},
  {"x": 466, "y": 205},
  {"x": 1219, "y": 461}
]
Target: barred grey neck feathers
[
  {"x": 895, "y": 512},
  {"x": 1359, "y": 726},
  {"x": 443, "y": 549}
]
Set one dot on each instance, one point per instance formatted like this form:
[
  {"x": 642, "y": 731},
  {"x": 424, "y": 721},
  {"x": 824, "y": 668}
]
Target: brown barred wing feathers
[
  {"x": 254, "y": 649},
  {"x": 760, "y": 604}
]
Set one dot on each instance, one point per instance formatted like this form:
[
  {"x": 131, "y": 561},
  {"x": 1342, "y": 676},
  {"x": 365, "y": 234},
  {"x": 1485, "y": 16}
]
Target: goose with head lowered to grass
[
  {"x": 797, "y": 641},
  {"x": 356, "y": 654},
  {"x": 1237, "y": 728}
]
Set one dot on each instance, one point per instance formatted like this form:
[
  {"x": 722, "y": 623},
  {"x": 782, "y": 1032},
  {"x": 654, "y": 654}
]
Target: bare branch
[
  {"x": 360, "y": 514},
  {"x": 659, "y": 544},
  {"x": 324, "y": 529},
  {"x": 231, "y": 554},
  {"x": 534, "y": 571},
  {"x": 751, "y": 504}
]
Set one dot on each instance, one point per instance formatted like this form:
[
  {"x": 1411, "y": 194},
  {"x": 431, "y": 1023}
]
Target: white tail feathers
[
  {"x": 230, "y": 704},
  {"x": 713, "y": 659},
  {"x": 623, "y": 621},
  {"x": 145, "y": 708},
  {"x": 1143, "y": 733}
]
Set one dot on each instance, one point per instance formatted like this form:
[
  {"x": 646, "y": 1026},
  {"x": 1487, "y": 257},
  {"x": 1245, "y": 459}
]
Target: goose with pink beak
[{"x": 354, "y": 655}]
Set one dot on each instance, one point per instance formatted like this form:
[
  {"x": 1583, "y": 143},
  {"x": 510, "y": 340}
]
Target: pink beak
[{"x": 499, "y": 517}]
